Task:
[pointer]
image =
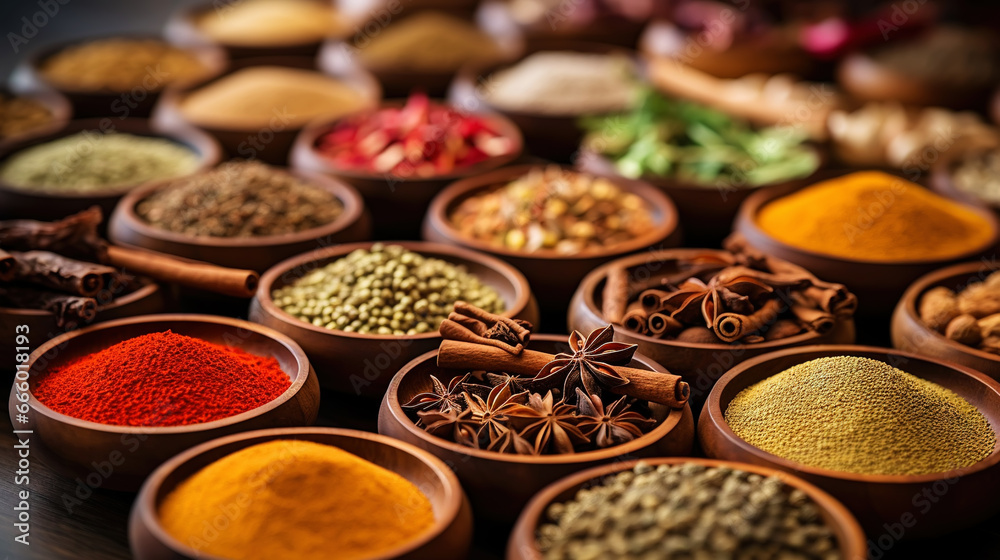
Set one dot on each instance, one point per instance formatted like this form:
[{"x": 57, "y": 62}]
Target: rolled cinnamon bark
[
  {"x": 816, "y": 319},
  {"x": 228, "y": 281},
  {"x": 614, "y": 299},
  {"x": 7, "y": 266},
  {"x": 63, "y": 274},
  {"x": 661, "y": 324},
  {"x": 64, "y": 307},
  {"x": 635, "y": 318},
  {"x": 653, "y": 300},
  {"x": 730, "y": 327},
  {"x": 662, "y": 388}
]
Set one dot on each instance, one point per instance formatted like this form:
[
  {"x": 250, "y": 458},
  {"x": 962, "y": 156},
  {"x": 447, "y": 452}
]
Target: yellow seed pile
[{"x": 862, "y": 416}]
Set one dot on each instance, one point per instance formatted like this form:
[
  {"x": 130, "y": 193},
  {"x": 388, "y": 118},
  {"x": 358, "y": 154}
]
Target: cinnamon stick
[
  {"x": 661, "y": 324},
  {"x": 62, "y": 274},
  {"x": 635, "y": 318},
  {"x": 615, "y": 297},
  {"x": 228, "y": 281},
  {"x": 65, "y": 307},
  {"x": 730, "y": 327},
  {"x": 662, "y": 388},
  {"x": 75, "y": 236},
  {"x": 7, "y": 266}
]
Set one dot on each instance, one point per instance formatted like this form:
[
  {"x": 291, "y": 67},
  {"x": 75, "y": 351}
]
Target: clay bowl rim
[
  {"x": 908, "y": 304},
  {"x": 56, "y": 103},
  {"x": 297, "y": 383},
  {"x": 589, "y": 283},
  {"x": 942, "y": 177},
  {"x": 305, "y": 143},
  {"x": 746, "y": 219},
  {"x": 713, "y": 413},
  {"x": 145, "y": 505},
  {"x": 189, "y": 17},
  {"x": 359, "y": 80},
  {"x": 148, "y": 289},
  {"x": 395, "y": 408},
  {"x": 203, "y": 145},
  {"x": 522, "y": 290},
  {"x": 445, "y": 201},
  {"x": 353, "y": 210},
  {"x": 471, "y": 75},
  {"x": 214, "y": 60},
  {"x": 591, "y": 161},
  {"x": 862, "y": 62},
  {"x": 853, "y": 545}
]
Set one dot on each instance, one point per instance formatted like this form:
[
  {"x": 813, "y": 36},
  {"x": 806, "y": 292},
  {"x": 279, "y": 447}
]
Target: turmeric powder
[
  {"x": 875, "y": 216},
  {"x": 295, "y": 499}
]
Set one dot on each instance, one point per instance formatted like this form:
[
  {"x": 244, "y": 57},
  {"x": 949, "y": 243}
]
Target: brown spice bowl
[
  {"x": 397, "y": 81},
  {"x": 135, "y": 103},
  {"x": 607, "y": 29},
  {"x": 120, "y": 457},
  {"x": 942, "y": 178},
  {"x": 700, "y": 364},
  {"x": 363, "y": 364},
  {"x": 878, "y": 284},
  {"x": 257, "y": 253},
  {"x": 17, "y": 203},
  {"x": 449, "y": 538},
  {"x": 269, "y": 144},
  {"x": 901, "y": 506},
  {"x": 551, "y": 275},
  {"x": 911, "y": 335},
  {"x": 59, "y": 108},
  {"x": 553, "y": 137},
  {"x": 397, "y": 204},
  {"x": 487, "y": 475},
  {"x": 865, "y": 79},
  {"x": 523, "y": 546},
  {"x": 706, "y": 212}
]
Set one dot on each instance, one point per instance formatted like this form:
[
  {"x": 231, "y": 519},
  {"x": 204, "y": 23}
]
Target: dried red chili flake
[{"x": 421, "y": 139}]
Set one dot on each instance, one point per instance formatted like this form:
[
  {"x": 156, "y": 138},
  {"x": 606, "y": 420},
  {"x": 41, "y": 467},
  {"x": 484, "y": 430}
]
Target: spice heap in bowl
[
  {"x": 93, "y": 162},
  {"x": 687, "y": 510},
  {"x": 860, "y": 415},
  {"x": 270, "y": 23},
  {"x": 21, "y": 114},
  {"x": 421, "y": 139},
  {"x": 385, "y": 290},
  {"x": 740, "y": 297},
  {"x": 970, "y": 316},
  {"x": 553, "y": 210},
  {"x": 361, "y": 510},
  {"x": 239, "y": 199},
  {"x": 978, "y": 175}
]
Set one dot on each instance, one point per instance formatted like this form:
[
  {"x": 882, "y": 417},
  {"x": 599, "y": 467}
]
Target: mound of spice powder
[
  {"x": 296, "y": 499},
  {"x": 271, "y": 22},
  {"x": 162, "y": 379},
  {"x": 240, "y": 199},
  {"x": 875, "y": 216},
  {"x": 21, "y": 114},
  {"x": 121, "y": 65},
  {"x": 428, "y": 42},
  {"x": 421, "y": 139},
  {"x": 859, "y": 415}
]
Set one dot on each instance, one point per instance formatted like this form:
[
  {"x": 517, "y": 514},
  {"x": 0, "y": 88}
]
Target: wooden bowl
[
  {"x": 522, "y": 543},
  {"x": 449, "y": 538},
  {"x": 700, "y": 364},
  {"x": 182, "y": 28},
  {"x": 878, "y": 284},
  {"x": 363, "y": 364},
  {"x": 269, "y": 144},
  {"x": 552, "y": 276},
  {"x": 135, "y": 103},
  {"x": 911, "y": 335},
  {"x": 56, "y": 103},
  {"x": 336, "y": 55},
  {"x": 706, "y": 212},
  {"x": 943, "y": 172},
  {"x": 397, "y": 204},
  {"x": 73, "y": 446},
  {"x": 553, "y": 137},
  {"x": 927, "y": 505},
  {"x": 608, "y": 29},
  {"x": 868, "y": 80},
  {"x": 18, "y": 203},
  {"x": 487, "y": 475},
  {"x": 258, "y": 253}
]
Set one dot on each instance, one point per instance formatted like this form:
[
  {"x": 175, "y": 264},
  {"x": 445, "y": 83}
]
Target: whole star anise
[
  {"x": 612, "y": 425},
  {"x": 550, "y": 424},
  {"x": 589, "y": 366},
  {"x": 491, "y": 414},
  {"x": 511, "y": 442},
  {"x": 452, "y": 424},
  {"x": 440, "y": 397}
]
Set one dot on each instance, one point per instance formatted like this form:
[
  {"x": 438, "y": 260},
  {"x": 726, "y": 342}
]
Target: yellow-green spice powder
[{"x": 861, "y": 416}]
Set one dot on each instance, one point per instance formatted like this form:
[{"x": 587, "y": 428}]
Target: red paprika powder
[{"x": 162, "y": 379}]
